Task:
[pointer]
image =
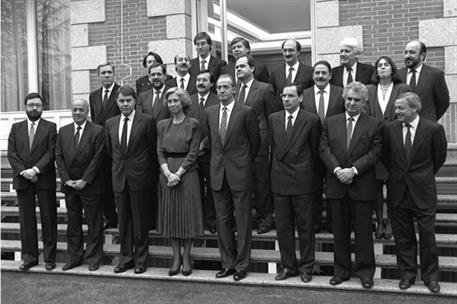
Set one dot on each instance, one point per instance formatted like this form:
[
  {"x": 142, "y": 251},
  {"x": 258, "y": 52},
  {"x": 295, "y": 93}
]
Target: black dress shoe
[
  {"x": 367, "y": 283},
  {"x": 69, "y": 266},
  {"x": 122, "y": 268},
  {"x": 405, "y": 284},
  {"x": 239, "y": 275},
  {"x": 26, "y": 266},
  {"x": 263, "y": 230},
  {"x": 139, "y": 270},
  {"x": 225, "y": 273},
  {"x": 186, "y": 272},
  {"x": 336, "y": 280},
  {"x": 109, "y": 226},
  {"x": 306, "y": 277},
  {"x": 93, "y": 267},
  {"x": 285, "y": 274},
  {"x": 49, "y": 266},
  {"x": 433, "y": 286}
]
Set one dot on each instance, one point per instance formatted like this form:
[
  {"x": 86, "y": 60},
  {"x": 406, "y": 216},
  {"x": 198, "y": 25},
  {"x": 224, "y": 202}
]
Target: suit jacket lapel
[
  {"x": 418, "y": 139},
  {"x": 39, "y": 133},
  {"x": 332, "y": 98},
  {"x": 309, "y": 97},
  {"x": 388, "y": 113},
  {"x": 250, "y": 98},
  {"x": 423, "y": 79},
  {"x": 299, "y": 123},
  {"x": 133, "y": 131},
  {"x": 232, "y": 121},
  {"x": 358, "y": 130}
]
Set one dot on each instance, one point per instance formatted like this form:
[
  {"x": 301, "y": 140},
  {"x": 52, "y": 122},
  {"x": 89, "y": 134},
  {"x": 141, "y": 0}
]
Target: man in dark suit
[
  {"x": 241, "y": 47},
  {"x": 350, "y": 147},
  {"x": 428, "y": 82},
  {"x": 131, "y": 140},
  {"x": 79, "y": 157},
  {"x": 151, "y": 102},
  {"x": 260, "y": 97},
  {"x": 31, "y": 146},
  {"x": 292, "y": 71},
  {"x": 233, "y": 136},
  {"x": 325, "y": 100},
  {"x": 414, "y": 150},
  {"x": 201, "y": 101},
  {"x": 144, "y": 83},
  {"x": 294, "y": 139},
  {"x": 183, "y": 79},
  {"x": 350, "y": 69},
  {"x": 102, "y": 107},
  {"x": 204, "y": 60}
]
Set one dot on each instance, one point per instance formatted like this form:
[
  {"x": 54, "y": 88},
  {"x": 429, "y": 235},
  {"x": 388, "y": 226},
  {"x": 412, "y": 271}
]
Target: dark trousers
[
  {"x": 91, "y": 204},
  {"x": 291, "y": 211},
  {"x": 345, "y": 212},
  {"x": 234, "y": 253},
  {"x": 262, "y": 194},
  {"x": 28, "y": 223},
  {"x": 107, "y": 200},
  {"x": 133, "y": 226},
  {"x": 209, "y": 211},
  {"x": 402, "y": 218}
]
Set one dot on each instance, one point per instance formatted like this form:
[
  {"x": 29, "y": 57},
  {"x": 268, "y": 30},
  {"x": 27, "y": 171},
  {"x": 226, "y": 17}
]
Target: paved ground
[{"x": 43, "y": 288}]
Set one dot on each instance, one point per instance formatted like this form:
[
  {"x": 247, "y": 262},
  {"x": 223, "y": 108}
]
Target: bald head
[{"x": 80, "y": 110}]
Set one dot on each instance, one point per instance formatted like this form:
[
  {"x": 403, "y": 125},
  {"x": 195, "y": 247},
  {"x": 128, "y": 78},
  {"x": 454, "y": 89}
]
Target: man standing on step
[
  {"x": 31, "y": 146},
  {"x": 414, "y": 150},
  {"x": 79, "y": 157},
  {"x": 102, "y": 107}
]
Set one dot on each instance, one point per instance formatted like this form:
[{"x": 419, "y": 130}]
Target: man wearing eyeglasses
[{"x": 31, "y": 146}]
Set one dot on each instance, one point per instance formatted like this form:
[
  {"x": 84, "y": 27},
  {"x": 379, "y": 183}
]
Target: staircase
[{"x": 265, "y": 254}]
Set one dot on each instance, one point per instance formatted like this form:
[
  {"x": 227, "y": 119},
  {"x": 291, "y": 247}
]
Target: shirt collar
[
  {"x": 294, "y": 114},
  {"x": 130, "y": 117},
  {"x": 326, "y": 89},
  {"x": 248, "y": 84},
  {"x": 82, "y": 126},
  {"x": 29, "y": 122},
  {"x": 418, "y": 68},
  {"x": 356, "y": 117},
  {"x": 205, "y": 97},
  {"x": 178, "y": 78},
  {"x": 110, "y": 89},
  {"x": 414, "y": 122},
  {"x": 353, "y": 67},
  {"x": 229, "y": 106},
  {"x": 200, "y": 59},
  {"x": 295, "y": 66}
]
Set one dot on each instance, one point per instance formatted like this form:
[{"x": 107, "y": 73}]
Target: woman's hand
[{"x": 173, "y": 179}]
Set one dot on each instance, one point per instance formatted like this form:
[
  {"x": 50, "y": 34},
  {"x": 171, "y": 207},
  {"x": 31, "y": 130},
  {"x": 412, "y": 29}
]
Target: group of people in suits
[{"x": 219, "y": 139}]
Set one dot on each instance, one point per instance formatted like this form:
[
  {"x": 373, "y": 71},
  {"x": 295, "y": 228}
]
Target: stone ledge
[
  {"x": 86, "y": 58},
  {"x": 88, "y": 11},
  {"x": 328, "y": 38},
  {"x": 438, "y": 32},
  {"x": 327, "y": 14}
]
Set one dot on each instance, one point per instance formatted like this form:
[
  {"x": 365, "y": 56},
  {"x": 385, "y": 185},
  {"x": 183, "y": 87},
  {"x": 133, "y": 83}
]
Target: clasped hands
[
  {"x": 173, "y": 179},
  {"x": 30, "y": 174},
  {"x": 346, "y": 175},
  {"x": 76, "y": 184}
]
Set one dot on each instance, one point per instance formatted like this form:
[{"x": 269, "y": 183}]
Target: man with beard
[
  {"x": 131, "y": 141},
  {"x": 350, "y": 69},
  {"x": 144, "y": 83},
  {"x": 79, "y": 157},
  {"x": 324, "y": 100},
  {"x": 31, "y": 146},
  {"x": 183, "y": 79},
  {"x": 151, "y": 101},
  {"x": 425, "y": 81},
  {"x": 200, "y": 101},
  {"x": 292, "y": 71},
  {"x": 103, "y": 107},
  {"x": 204, "y": 60}
]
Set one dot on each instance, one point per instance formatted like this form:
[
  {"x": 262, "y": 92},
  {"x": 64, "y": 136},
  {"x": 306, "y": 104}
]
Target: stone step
[
  {"x": 388, "y": 261},
  {"x": 382, "y": 286}
]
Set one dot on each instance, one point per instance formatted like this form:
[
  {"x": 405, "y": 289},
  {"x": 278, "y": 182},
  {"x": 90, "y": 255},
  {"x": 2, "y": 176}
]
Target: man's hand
[
  {"x": 346, "y": 176},
  {"x": 29, "y": 174},
  {"x": 80, "y": 184}
]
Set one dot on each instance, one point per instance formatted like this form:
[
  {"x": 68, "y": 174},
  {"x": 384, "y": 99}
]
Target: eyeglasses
[{"x": 34, "y": 105}]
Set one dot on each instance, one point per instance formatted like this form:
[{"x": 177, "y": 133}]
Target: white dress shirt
[
  {"x": 294, "y": 72},
  {"x": 346, "y": 74},
  {"x": 317, "y": 97},
  {"x": 129, "y": 126},
  {"x": 409, "y": 75},
  {"x": 110, "y": 90},
  {"x": 294, "y": 116},
  {"x": 229, "y": 112},
  {"x": 412, "y": 129},
  {"x": 383, "y": 100}
]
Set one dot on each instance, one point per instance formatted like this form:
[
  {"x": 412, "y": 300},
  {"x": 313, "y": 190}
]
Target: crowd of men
[{"x": 274, "y": 141}]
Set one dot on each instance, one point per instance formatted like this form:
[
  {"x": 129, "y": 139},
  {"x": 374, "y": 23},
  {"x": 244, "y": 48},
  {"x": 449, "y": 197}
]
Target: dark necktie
[
  {"x": 289, "y": 77},
  {"x": 202, "y": 103},
  {"x": 77, "y": 135},
  {"x": 124, "y": 135},
  {"x": 321, "y": 110},
  {"x": 349, "y": 132},
  {"x": 349, "y": 76},
  {"x": 31, "y": 135},
  {"x": 202, "y": 66},
  {"x": 289, "y": 126},
  {"x": 182, "y": 83},
  {"x": 412, "y": 81},
  {"x": 156, "y": 98},
  {"x": 105, "y": 98},
  {"x": 223, "y": 129},
  {"x": 408, "y": 142},
  {"x": 242, "y": 95}
]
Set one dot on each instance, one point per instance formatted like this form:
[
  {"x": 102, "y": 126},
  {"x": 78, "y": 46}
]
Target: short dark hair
[
  {"x": 105, "y": 64},
  {"x": 243, "y": 41},
  {"x": 413, "y": 100},
  {"x": 187, "y": 56},
  {"x": 251, "y": 60},
  {"x": 423, "y": 48},
  {"x": 323, "y": 62},
  {"x": 125, "y": 90},
  {"x": 298, "y": 86},
  {"x": 211, "y": 76},
  {"x": 33, "y": 95},
  {"x": 156, "y": 57},
  {"x": 227, "y": 76},
  {"x": 204, "y": 36},
  {"x": 156, "y": 64},
  {"x": 395, "y": 77},
  {"x": 298, "y": 45}
]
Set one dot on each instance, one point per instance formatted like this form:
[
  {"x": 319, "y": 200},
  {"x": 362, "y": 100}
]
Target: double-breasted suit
[
  {"x": 135, "y": 173},
  {"x": 363, "y": 74},
  {"x": 232, "y": 181},
  {"x": 41, "y": 156},
  {"x": 83, "y": 161},
  {"x": 158, "y": 110},
  {"x": 293, "y": 168},
  {"x": 411, "y": 194},
  {"x": 353, "y": 202}
]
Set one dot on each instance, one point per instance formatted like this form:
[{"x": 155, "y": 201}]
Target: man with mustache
[
  {"x": 31, "y": 146},
  {"x": 292, "y": 71},
  {"x": 183, "y": 79},
  {"x": 350, "y": 68},
  {"x": 324, "y": 100},
  {"x": 427, "y": 82}
]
